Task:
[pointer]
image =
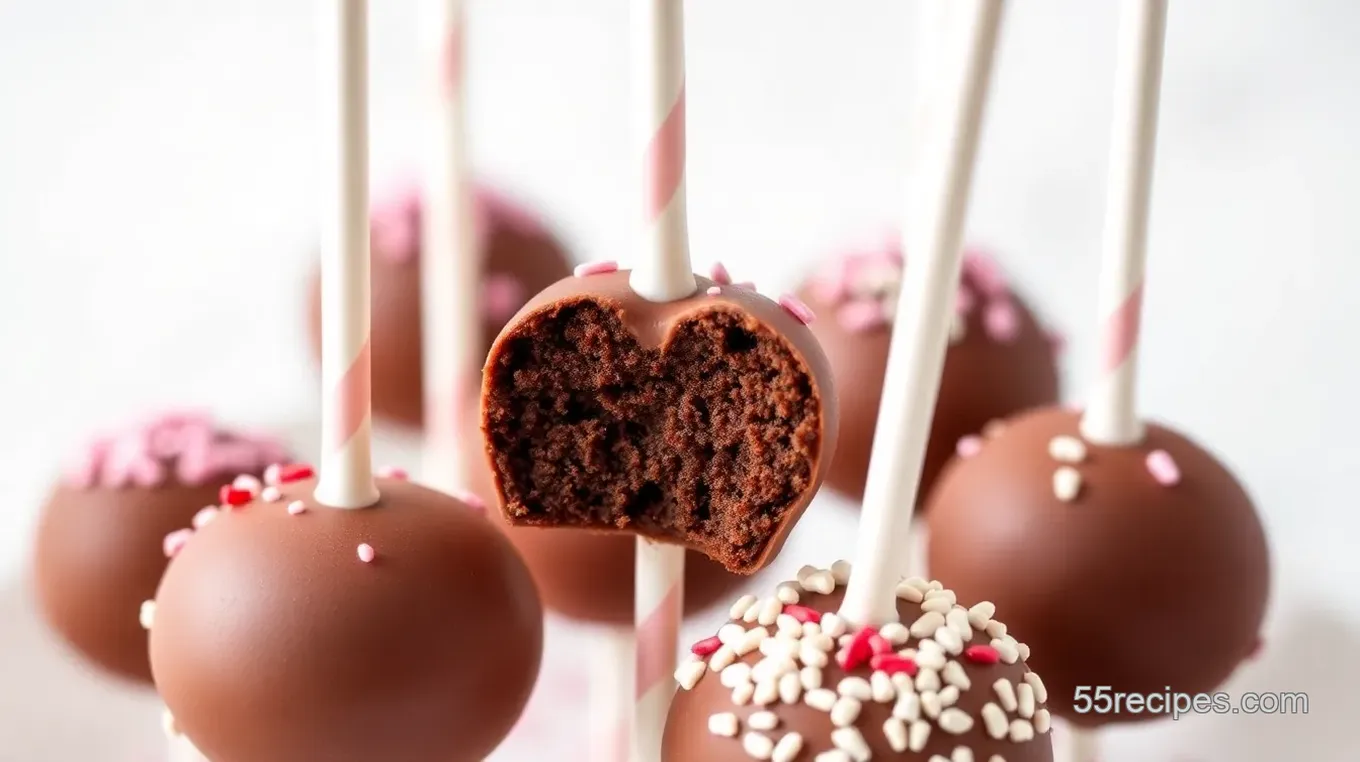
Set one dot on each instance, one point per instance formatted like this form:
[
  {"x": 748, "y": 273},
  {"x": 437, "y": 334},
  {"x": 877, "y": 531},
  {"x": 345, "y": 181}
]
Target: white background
[{"x": 157, "y": 173}]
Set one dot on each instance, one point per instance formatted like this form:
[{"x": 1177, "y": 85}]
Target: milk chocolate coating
[
  {"x": 1133, "y": 585},
  {"x": 687, "y": 736},
  {"x": 708, "y": 421},
  {"x": 98, "y": 555},
  {"x": 983, "y": 379},
  {"x": 531, "y": 257},
  {"x": 274, "y": 642}
]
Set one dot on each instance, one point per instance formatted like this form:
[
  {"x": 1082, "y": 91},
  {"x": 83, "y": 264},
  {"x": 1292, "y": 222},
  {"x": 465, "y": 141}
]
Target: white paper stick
[
  {"x": 610, "y": 700},
  {"x": 921, "y": 334},
  {"x": 659, "y": 605},
  {"x": 1111, "y": 416},
  {"x": 450, "y": 265},
  {"x": 346, "y": 478}
]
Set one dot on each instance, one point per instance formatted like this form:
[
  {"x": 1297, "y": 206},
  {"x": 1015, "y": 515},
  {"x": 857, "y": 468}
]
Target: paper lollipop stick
[
  {"x": 346, "y": 477},
  {"x": 1111, "y": 416},
  {"x": 921, "y": 335},
  {"x": 450, "y": 264}
]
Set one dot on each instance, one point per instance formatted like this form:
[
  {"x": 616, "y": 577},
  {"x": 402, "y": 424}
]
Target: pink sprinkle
[
  {"x": 713, "y": 291},
  {"x": 1001, "y": 321},
  {"x": 596, "y": 268},
  {"x": 986, "y": 273},
  {"x": 175, "y": 541},
  {"x": 470, "y": 500},
  {"x": 366, "y": 553},
  {"x": 1163, "y": 469},
  {"x": 969, "y": 446},
  {"x": 719, "y": 274},
  {"x": 795, "y": 306},
  {"x": 706, "y": 647},
  {"x": 296, "y": 507},
  {"x": 392, "y": 472},
  {"x": 204, "y": 517},
  {"x": 861, "y": 316}
]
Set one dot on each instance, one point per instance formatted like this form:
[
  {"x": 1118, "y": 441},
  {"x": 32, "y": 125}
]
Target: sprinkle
[
  {"x": 751, "y": 641},
  {"x": 995, "y": 721},
  {"x": 909, "y": 592},
  {"x": 724, "y": 724},
  {"x": 1024, "y": 694},
  {"x": 833, "y": 625},
  {"x": 928, "y": 680},
  {"x": 741, "y": 695},
  {"x": 722, "y": 658},
  {"x": 706, "y": 647},
  {"x": 938, "y": 605},
  {"x": 809, "y": 654},
  {"x": 763, "y": 721},
  {"x": 689, "y": 673},
  {"x": 1043, "y": 721},
  {"x": 469, "y": 499},
  {"x": 1006, "y": 647},
  {"x": 957, "y": 620},
  {"x": 795, "y": 306},
  {"x": 174, "y": 542},
  {"x": 955, "y": 721},
  {"x": 883, "y": 689},
  {"x": 917, "y": 735},
  {"x": 366, "y": 553},
  {"x": 271, "y": 474},
  {"x": 895, "y": 633},
  {"x": 1067, "y": 449},
  {"x": 840, "y": 571},
  {"x": 851, "y": 741},
  {"x": 735, "y": 675},
  {"x": 805, "y": 571},
  {"x": 939, "y": 593},
  {"x": 271, "y": 494},
  {"x": 930, "y": 703},
  {"x": 949, "y": 696},
  {"x": 757, "y": 745},
  {"x": 859, "y": 651},
  {"x": 996, "y": 629},
  {"x": 954, "y": 674},
  {"x": 294, "y": 472},
  {"x": 927, "y": 624},
  {"x": 1023, "y": 650},
  {"x": 731, "y": 634},
  {"x": 930, "y": 655},
  {"x": 787, "y": 625},
  {"x": 147, "y": 615},
  {"x": 296, "y": 507},
  {"x": 1066, "y": 483},
  {"x": 773, "y": 668},
  {"x": 819, "y": 582},
  {"x": 1040, "y": 692},
  {"x": 1001, "y": 321},
  {"x": 845, "y": 711},
  {"x": 766, "y": 693},
  {"x": 908, "y": 707},
  {"x": 1022, "y": 730},
  {"x": 893, "y": 664},
  {"x": 713, "y": 290},
  {"x": 231, "y": 496},
  {"x": 946, "y": 636},
  {"x": 969, "y": 446},
  {"x": 770, "y": 609},
  {"x": 1006, "y": 692},
  {"x": 169, "y": 725},
  {"x": 821, "y": 699},
  {"x": 204, "y": 517},
  {"x": 248, "y": 483},
  {"x": 835, "y": 755},
  {"x": 810, "y": 678},
  {"x": 787, "y": 594},
  {"x": 981, "y": 614},
  {"x": 856, "y": 688},
  {"x": 392, "y": 472},
  {"x": 788, "y": 748},
  {"x": 790, "y": 689},
  {"x": 895, "y": 731},
  {"x": 596, "y": 268},
  {"x": 1163, "y": 468},
  {"x": 961, "y": 754},
  {"x": 719, "y": 274}
]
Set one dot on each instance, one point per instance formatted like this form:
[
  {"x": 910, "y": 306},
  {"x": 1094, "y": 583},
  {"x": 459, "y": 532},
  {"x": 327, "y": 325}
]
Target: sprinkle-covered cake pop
[
  {"x": 521, "y": 259},
  {"x": 287, "y": 630},
  {"x": 1155, "y": 546},
  {"x": 1000, "y": 360},
  {"x": 107, "y": 527},
  {"x": 787, "y": 680}
]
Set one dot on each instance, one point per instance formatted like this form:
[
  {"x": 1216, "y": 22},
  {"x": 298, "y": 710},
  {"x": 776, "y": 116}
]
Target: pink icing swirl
[{"x": 187, "y": 446}]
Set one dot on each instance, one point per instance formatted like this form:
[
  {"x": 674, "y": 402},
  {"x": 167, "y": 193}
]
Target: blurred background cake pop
[{"x": 108, "y": 526}]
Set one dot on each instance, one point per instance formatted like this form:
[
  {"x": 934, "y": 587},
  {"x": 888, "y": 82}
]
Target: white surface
[{"x": 130, "y": 131}]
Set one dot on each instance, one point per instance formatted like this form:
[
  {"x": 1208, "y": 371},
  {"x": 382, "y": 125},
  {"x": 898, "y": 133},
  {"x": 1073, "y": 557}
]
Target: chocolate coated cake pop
[
  {"x": 1135, "y": 567},
  {"x": 1000, "y": 361},
  {"x": 520, "y": 259},
  {"x": 788, "y": 680},
  {"x": 707, "y": 421},
  {"x": 101, "y": 545},
  {"x": 284, "y": 630}
]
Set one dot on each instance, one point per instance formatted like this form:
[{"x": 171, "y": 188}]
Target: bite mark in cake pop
[{"x": 587, "y": 269}]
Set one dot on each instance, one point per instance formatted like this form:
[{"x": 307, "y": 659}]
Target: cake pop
[
  {"x": 1000, "y": 360},
  {"x": 105, "y": 531},
  {"x": 796, "y": 682},
  {"x": 521, "y": 259}
]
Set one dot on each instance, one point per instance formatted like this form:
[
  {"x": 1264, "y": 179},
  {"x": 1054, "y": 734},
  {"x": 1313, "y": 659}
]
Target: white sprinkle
[
  {"x": 735, "y": 675},
  {"x": 856, "y": 688},
  {"x": 938, "y": 758},
  {"x": 741, "y": 695},
  {"x": 1024, "y": 694},
  {"x": 722, "y": 658},
  {"x": 1006, "y": 693},
  {"x": 996, "y": 629},
  {"x": 731, "y": 634},
  {"x": 790, "y": 689},
  {"x": 995, "y": 721},
  {"x": 934, "y": 584},
  {"x": 957, "y": 619},
  {"x": 1009, "y": 653},
  {"x": 724, "y": 724},
  {"x": 833, "y": 626},
  {"x": 1040, "y": 692},
  {"x": 949, "y": 696},
  {"x": 909, "y": 593},
  {"x": 819, "y": 582},
  {"x": 845, "y": 711},
  {"x": 840, "y": 571},
  {"x": 1043, "y": 721},
  {"x": 1022, "y": 730},
  {"x": 938, "y": 590},
  {"x": 955, "y": 721},
  {"x": 785, "y": 623},
  {"x": 805, "y": 571},
  {"x": 918, "y": 734},
  {"x": 939, "y": 606},
  {"x": 821, "y": 640},
  {"x": 1065, "y": 449},
  {"x": 271, "y": 494},
  {"x": 895, "y": 731},
  {"x": 902, "y": 681},
  {"x": 766, "y": 692},
  {"x": 883, "y": 689},
  {"x": 851, "y": 741},
  {"x": 248, "y": 483},
  {"x": 770, "y": 609},
  {"x": 751, "y": 641},
  {"x": 296, "y": 507},
  {"x": 820, "y": 699},
  {"x": 689, "y": 674},
  {"x": 928, "y": 680},
  {"x": 1066, "y": 483},
  {"x": 763, "y": 721},
  {"x": 961, "y": 754},
  {"x": 147, "y": 614},
  {"x": 757, "y": 745},
  {"x": 845, "y": 640},
  {"x": 169, "y": 725},
  {"x": 954, "y": 674},
  {"x": 271, "y": 474},
  {"x": 787, "y": 594},
  {"x": 927, "y": 624},
  {"x": 836, "y": 755},
  {"x": 908, "y": 707},
  {"x": 811, "y": 655},
  {"x": 895, "y": 633},
  {"x": 918, "y": 583},
  {"x": 996, "y": 758},
  {"x": 930, "y": 704},
  {"x": 751, "y": 615},
  {"x": 1023, "y": 650},
  {"x": 788, "y": 748},
  {"x": 204, "y": 516},
  {"x": 981, "y": 614},
  {"x": 811, "y": 628},
  {"x": 777, "y": 647},
  {"x": 366, "y": 553},
  {"x": 947, "y": 637},
  {"x": 929, "y": 655},
  {"x": 810, "y": 678},
  {"x": 740, "y": 608}
]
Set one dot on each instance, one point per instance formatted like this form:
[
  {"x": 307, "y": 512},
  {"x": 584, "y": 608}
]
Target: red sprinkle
[
  {"x": 233, "y": 497},
  {"x": 802, "y": 613},
  {"x": 859, "y": 652},
  {"x": 879, "y": 644},
  {"x": 706, "y": 647},
  {"x": 894, "y": 664},
  {"x": 295, "y": 472},
  {"x": 982, "y": 654}
]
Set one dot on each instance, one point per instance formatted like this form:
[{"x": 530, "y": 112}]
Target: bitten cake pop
[
  {"x": 521, "y": 258},
  {"x": 1000, "y": 360},
  {"x": 108, "y": 526},
  {"x": 787, "y": 679}
]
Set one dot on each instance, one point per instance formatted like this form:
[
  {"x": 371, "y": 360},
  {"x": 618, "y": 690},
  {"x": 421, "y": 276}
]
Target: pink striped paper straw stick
[
  {"x": 346, "y": 477},
  {"x": 450, "y": 265},
  {"x": 1111, "y": 416}
]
